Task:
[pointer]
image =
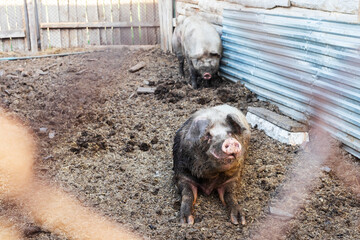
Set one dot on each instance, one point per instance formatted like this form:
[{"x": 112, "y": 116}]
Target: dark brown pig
[
  {"x": 198, "y": 42},
  {"x": 209, "y": 152}
]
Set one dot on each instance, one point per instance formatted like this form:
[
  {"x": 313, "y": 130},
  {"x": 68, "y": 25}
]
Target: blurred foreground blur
[{"x": 47, "y": 205}]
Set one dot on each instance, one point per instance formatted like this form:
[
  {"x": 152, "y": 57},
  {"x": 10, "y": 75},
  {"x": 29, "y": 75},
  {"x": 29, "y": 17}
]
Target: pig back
[{"x": 199, "y": 38}]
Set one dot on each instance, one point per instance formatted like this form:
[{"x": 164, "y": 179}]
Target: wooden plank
[
  {"x": 165, "y": 14},
  {"x": 136, "y": 20},
  {"x": 11, "y": 22},
  {"x": 145, "y": 90},
  {"x": 189, "y": 1},
  {"x": 137, "y": 67},
  {"x": 73, "y": 34},
  {"x": 156, "y": 19},
  {"x": 6, "y": 45},
  {"x": 26, "y": 24},
  {"x": 18, "y": 8},
  {"x": 151, "y": 14},
  {"x": 3, "y": 18},
  {"x": 82, "y": 17},
  {"x": 136, "y": 32},
  {"x": 74, "y": 25},
  {"x": 12, "y": 34},
  {"x": 158, "y": 36},
  {"x": 18, "y": 44},
  {"x": 158, "y": 40},
  {"x": 44, "y": 34},
  {"x": 64, "y": 17},
  {"x": 116, "y": 18},
  {"x": 52, "y": 11},
  {"x": 93, "y": 16},
  {"x": 140, "y": 18},
  {"x": 108, "y": 18},
  {"x": 144, "y": 18},
  {"x": 125, "y": 16},
  {"x": 186, "y": 9},
  {"x": 152, "y": 36},
  {"x": 102, "y": 18}
]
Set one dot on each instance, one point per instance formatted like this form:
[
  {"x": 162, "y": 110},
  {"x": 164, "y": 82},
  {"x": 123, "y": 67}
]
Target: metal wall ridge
[
  {"x": 297, "y": 33},
  {"x": 302, "y": 45},
  {"x": 283, "y": 50},
  {"x": 306, "y": 66},
  {"x": 325, "y": 26},
  {"x": 270, "y": 59}
]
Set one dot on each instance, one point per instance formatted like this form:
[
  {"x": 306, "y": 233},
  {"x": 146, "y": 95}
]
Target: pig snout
[
  {"x": 207, "y": 76},
  {"x": 231, "y": 146}
]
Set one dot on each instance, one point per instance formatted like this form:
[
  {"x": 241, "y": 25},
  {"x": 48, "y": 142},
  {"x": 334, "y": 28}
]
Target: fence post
[
  {"x": 32, "y": 25},
  {"x": 166, "y": 24}
]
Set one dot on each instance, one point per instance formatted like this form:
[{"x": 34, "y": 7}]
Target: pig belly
[{"x": 209, "y": 186}]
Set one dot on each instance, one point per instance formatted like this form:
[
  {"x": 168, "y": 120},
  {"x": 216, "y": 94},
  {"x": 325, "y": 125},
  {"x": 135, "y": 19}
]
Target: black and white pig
[
  {"x": 198, "y": 41},
  {"x": 209, "y": 152}
]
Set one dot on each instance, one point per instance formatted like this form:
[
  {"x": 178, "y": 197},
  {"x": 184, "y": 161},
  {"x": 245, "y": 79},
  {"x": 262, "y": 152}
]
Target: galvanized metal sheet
[{"x": 305, "y": 66}]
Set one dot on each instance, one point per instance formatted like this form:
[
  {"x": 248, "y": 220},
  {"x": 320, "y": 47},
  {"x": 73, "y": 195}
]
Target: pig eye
[
  {"x": 214, "y": 55},
  {"x": 208, "y": 137}
]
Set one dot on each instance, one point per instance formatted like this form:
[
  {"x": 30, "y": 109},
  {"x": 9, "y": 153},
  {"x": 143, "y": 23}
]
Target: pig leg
[
  {"x": 227, "y": 198},
  {"x": 193, "y": 73},
  {"x": 207, "y": 83},
  {"x": 188, "y": 198},
  {"x": 235, "y": 209},
  {"x": 177, "y": 48},
  {"x": 181, "y": 65},
  {"x": 193, "y": 77}
]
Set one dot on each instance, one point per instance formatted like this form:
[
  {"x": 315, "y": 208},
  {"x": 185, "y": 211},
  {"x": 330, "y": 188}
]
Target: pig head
[
  {"x": 198, "y": 42},
  {"x": 209, "y": 152}
]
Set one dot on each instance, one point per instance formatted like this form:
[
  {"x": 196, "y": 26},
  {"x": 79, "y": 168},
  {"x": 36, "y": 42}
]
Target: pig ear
[
  {"x": 235, "y": 123},
  {"x": 197, "y": 129}
]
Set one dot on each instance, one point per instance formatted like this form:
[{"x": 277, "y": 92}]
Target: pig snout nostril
[{"x": 227, "y": 146}]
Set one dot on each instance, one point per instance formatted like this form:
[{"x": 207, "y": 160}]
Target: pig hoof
[
  {"x": 194, "y": 85},
  {"x": 235, "y": 213},
  {"x": 243, "y": 221},
  {"x": 234, "y": 220},
  {"x": 190, "y": 220}
]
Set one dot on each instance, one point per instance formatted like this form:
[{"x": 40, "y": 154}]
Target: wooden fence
[
  {"x": 13, "y": 26},
  {"x": 29, "y": 24}
]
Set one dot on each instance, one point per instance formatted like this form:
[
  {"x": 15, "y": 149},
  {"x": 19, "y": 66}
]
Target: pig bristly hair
[
  {"x": 189, "y": 146},
  {"x": 209, "y": 152}
]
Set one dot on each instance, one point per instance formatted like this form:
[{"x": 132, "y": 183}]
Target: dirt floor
[{"x": 112, "y": 147}]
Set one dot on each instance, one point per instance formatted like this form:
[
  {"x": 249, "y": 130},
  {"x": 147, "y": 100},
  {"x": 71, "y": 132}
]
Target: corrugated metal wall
[{"x": 305, "y": 66}]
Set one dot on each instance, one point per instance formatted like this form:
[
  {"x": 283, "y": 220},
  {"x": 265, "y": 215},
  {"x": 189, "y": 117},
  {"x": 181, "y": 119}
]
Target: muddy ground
[{"x": 111, "y": 147}]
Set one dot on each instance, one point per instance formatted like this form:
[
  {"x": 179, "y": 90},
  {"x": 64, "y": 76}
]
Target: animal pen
[
  {"x": 103, "y": 144},
  {"x": 255, "y": 43}
]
